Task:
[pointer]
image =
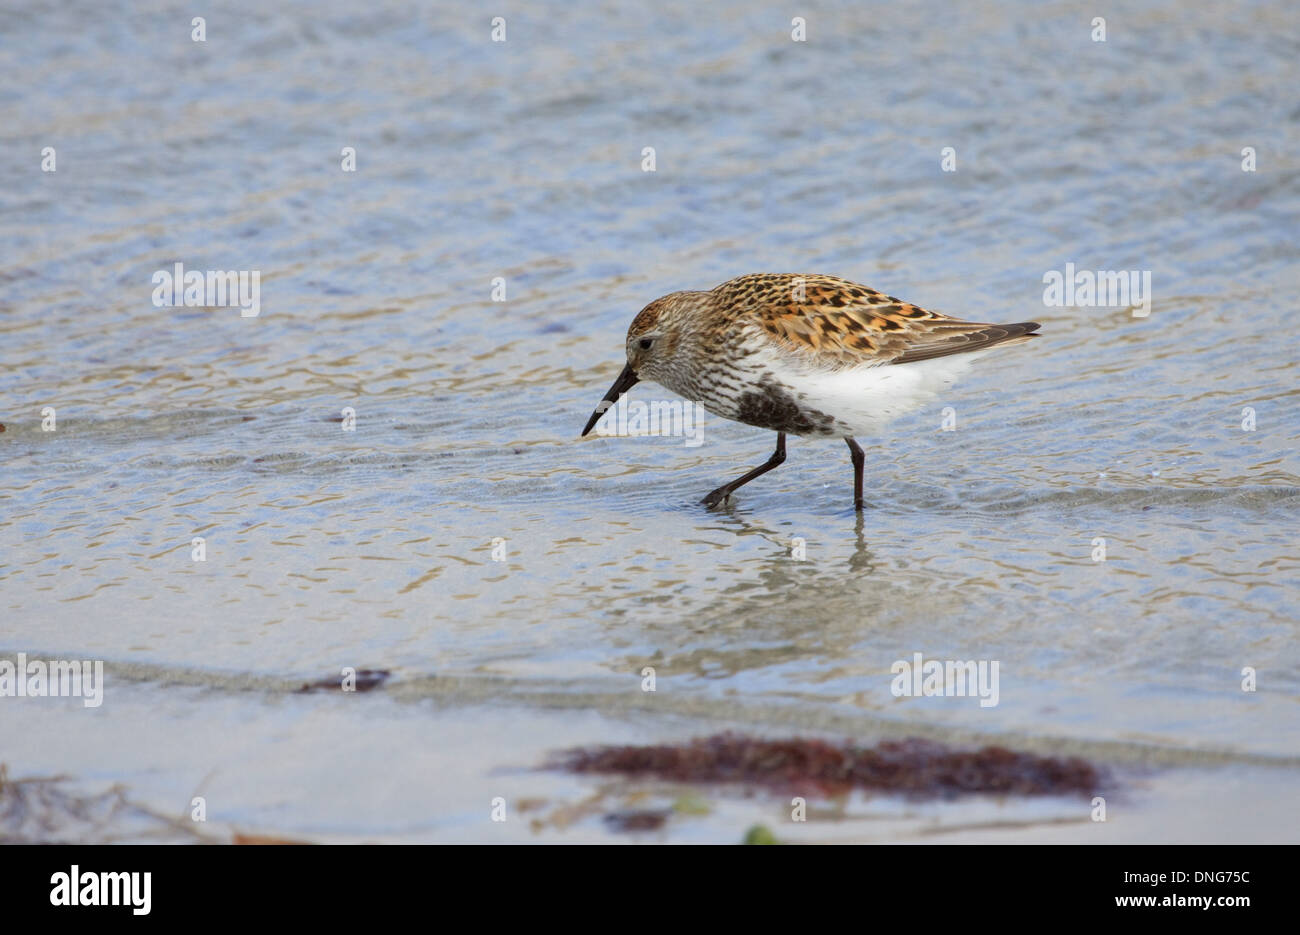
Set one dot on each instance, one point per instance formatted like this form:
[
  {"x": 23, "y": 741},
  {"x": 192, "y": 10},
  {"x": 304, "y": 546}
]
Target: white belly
[{"x": 793, "y": 398}]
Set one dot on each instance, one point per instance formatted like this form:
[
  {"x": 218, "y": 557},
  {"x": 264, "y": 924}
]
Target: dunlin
[{"x": 803, "y": 355}]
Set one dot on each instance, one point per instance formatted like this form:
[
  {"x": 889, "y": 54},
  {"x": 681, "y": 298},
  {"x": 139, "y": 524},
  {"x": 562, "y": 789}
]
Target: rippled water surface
[{"x": 523, "y": 160}]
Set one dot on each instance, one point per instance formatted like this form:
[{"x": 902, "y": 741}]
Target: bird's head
[{"x": 653, "y": 341}]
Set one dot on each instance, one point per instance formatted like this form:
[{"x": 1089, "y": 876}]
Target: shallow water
[{"x": 522, "y": 160}]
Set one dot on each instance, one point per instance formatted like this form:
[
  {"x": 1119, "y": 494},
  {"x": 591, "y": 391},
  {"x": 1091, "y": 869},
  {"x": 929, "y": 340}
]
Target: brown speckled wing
[
  {"x": 960, "y": 337},
  {"x": 842, "y": 323}
]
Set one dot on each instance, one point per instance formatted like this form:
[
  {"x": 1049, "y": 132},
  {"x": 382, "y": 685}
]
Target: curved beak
[{"x": 626, "y": 380}]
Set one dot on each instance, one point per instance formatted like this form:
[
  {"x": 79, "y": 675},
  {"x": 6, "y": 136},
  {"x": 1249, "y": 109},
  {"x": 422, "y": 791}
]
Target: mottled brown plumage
[{"x": 844, "y": 323}]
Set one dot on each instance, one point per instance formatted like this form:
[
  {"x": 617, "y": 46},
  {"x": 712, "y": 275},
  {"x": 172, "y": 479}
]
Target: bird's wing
[{"x": 839, "y": 323}]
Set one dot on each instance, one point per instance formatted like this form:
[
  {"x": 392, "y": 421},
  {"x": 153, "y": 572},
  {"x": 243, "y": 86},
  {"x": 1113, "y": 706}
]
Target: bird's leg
[
  {"x": 859, "y": 458},
  {"x": 725, "y": 490}
]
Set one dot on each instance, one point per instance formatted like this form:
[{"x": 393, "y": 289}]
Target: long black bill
[{"x": 626, "y": 380}]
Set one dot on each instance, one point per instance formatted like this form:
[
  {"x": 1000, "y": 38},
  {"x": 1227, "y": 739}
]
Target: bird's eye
[{"x": 645, "y": 343}]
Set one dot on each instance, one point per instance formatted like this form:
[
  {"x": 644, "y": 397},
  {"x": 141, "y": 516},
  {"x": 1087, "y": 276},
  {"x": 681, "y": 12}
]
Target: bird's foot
[{"x": 715, "y": 497}]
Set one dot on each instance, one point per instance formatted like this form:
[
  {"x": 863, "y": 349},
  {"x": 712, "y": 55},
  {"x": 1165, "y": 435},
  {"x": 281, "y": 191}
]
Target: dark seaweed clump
[
  {"x": 366, "y": 680},
  {"x": 912, "y": 767}
]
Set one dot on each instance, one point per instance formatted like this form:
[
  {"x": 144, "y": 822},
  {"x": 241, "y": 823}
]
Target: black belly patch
[{"x": 771, "y": 406}]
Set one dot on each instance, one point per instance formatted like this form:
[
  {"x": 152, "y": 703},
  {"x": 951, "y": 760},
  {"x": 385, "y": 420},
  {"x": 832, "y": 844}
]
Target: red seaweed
[{"x": 913, "y": 767}]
